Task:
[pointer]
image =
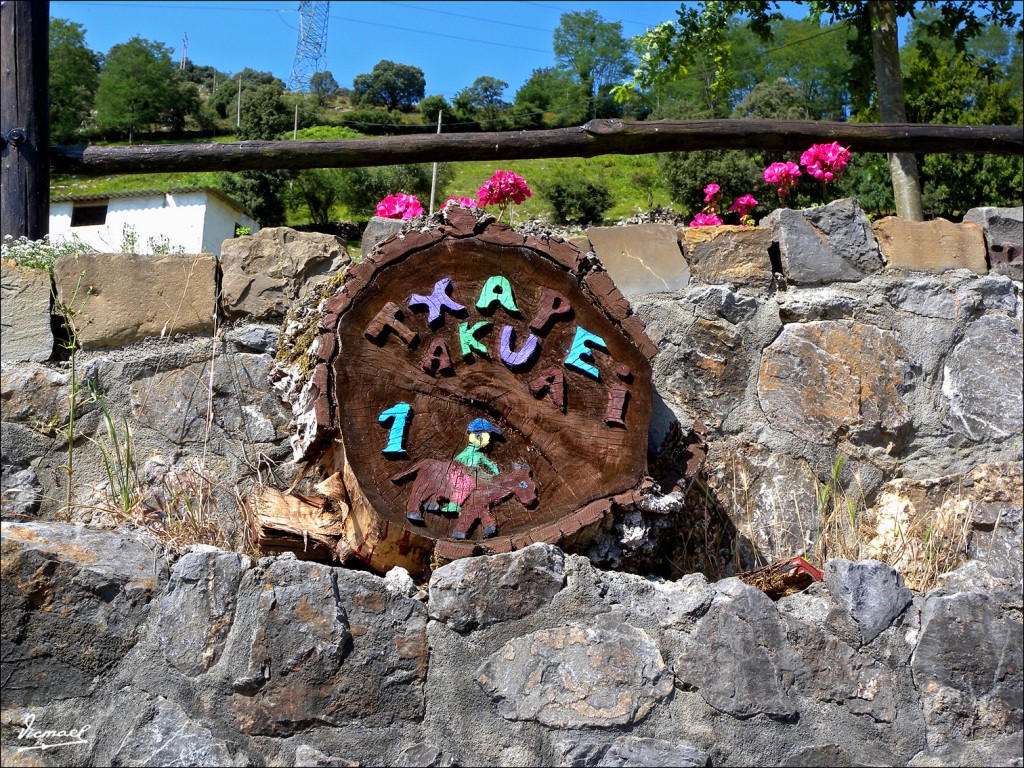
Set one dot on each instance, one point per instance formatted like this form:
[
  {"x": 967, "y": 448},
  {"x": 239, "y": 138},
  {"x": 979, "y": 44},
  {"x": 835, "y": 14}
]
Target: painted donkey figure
[{"x": 432, "y": 488}]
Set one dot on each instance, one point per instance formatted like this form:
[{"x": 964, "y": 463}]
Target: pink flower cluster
[
  {"x": 825, "y": 161},
  {"x": 706, "y": 220},
  {"x": 502, "y": 188},
  {"x": 399, "y": 206},
  {"x": 783, "y": 176},
  {"x": 712, "y": 194},
  {"x": 461, "y": 202},
  {"x": 744, "y": 206}
]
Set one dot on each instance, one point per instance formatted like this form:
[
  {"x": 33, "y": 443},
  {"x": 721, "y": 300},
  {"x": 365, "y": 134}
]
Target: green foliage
[
  {"x": 372, "y": 116},
  {"x": 390, "y": 85},
  {"x": 262, "y": 193},
  {"x": 592, "y": 50},
  {"x": 328, "y": 133},
  {"x": 264, "y": 114},
  {"x": 317, "y": 189},
  {"x": 360, "y": 189},
  {"x": 138, "y": 88},
  {"x": 779, "y": 100},
  {"x": 74, "y": 79},
  {"x": 967, "y": 87},
  {"x": 224, "y": 100},
  {"x": 737, "y": 172},
  {"x": 577, "y": 198},
  {"x": 323, "y": 86},
  {"x": 433, "y": 105},
  {"x": 482, "y": 100},
  {"x": 551, "y": 90}
]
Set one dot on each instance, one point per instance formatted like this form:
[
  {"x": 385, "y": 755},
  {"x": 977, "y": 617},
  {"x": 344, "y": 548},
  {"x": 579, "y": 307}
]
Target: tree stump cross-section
[{"x": 474, "y": 390}]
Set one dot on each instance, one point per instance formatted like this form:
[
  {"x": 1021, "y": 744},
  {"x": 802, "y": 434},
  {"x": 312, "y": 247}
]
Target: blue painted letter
[
  {"x": 582, "y": 343},
  {"x": 398, "y": 415}
]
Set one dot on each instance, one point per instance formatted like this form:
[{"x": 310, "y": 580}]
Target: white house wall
[
  {"x": 220, "y": 224},
  {"x": 192, "y": 222}
]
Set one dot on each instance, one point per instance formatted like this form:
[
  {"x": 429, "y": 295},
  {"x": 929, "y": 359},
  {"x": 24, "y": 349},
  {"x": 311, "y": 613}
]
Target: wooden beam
[
  {"x": 24, "y": 118},
  {"x": 598, "y": 137}
]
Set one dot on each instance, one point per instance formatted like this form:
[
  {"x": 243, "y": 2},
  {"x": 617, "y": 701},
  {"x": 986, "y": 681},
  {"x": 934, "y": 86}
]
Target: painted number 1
[{"x": 398, "y": 415}]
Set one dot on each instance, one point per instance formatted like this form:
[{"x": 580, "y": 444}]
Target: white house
[{"x": 189, "y": 220}]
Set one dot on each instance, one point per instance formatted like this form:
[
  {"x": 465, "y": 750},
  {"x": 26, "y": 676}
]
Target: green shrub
[{"x": 577, "y": 199}]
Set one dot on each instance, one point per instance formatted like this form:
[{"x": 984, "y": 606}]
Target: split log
[
  {"x": 598, "y": 137},
  {"x": 472, "y": 391}
]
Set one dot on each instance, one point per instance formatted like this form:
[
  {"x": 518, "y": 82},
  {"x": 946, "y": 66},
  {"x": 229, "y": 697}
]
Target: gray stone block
[
  {"x": 983, "y": 380},
  {"x": 24, "y": 313},
  {"x": 264, "y": 273},
  {"x": 378, "y": 230},
  {"x": 869, "y": 592},
  {"x": 1004, "y": 238},
  {"x": 831, "y": 243}
]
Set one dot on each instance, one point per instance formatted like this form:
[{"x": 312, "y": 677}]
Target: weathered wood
[
  {"x": 24, "y": 118},
  {"x": 480, "y": 397},
  {"x": 598, "y": 137}
]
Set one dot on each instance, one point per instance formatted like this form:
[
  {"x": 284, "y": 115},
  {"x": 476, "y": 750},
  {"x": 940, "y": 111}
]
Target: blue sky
[{"x": 452, "y": 42}]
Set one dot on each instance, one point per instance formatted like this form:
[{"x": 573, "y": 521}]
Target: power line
[
  {"x": 439, "y": 34},
  {"x": 471, "y": 18}
]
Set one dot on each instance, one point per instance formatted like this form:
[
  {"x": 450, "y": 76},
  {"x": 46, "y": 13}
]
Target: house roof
[{"x": 86, "y": 196}]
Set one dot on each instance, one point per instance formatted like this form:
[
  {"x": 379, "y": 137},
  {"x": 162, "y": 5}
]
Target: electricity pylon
[{"x": 311, "y": 50}]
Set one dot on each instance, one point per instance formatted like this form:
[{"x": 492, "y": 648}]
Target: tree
[
  {"x": 554, "y": 90},
  {"x": 74, "y": 78},
  {"x": 137, "y": 87},
  {"x": 318, "y": 189},
  {"x": 225, "y": 98},
  {"x": 970, "y": 87},
  {"x": 592, "y": 50},
  {"x": 265, "y": 116},
  {"x": 390, "y": 85},
  {"x": 323, "y": 86},
  {"x": 668, "y": 50},
  {"x": 483, "y": 99}
]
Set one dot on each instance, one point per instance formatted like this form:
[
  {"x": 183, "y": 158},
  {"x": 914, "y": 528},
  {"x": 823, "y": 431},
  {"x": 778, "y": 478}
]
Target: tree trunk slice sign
[{"x": 475, "y": 391}]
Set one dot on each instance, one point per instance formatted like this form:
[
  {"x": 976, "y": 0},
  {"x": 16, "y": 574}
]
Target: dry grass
[{"x": 921, "y": 544}]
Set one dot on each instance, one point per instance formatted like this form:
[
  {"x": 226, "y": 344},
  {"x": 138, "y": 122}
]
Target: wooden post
[{"x": 24, "y": 118}]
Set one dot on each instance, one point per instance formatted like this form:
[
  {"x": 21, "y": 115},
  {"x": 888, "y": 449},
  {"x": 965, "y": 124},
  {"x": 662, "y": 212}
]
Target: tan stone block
[
  {"x": 729, "y": 254},
  {"x": 641, "y": 258},
  {"x": 25, "y": 313},
  {"x": 582, "y": 242},
  {"x": 117, "y": 298},
  {"x": 931, "y": 246}
]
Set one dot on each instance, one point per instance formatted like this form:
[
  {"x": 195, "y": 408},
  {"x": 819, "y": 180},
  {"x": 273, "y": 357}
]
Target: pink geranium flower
[
  {"x": 825, "y": 162},
  {"x": 706, "y": 220},
  {"x": 711, "y": 192},
  {"x": 783, "y": 176},
  {"x": 745, "y": 206},
  {"x": 399, "y": 206},
  {"x": 502, "y": 188}
]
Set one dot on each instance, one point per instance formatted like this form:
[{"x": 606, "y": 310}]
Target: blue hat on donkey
[{"x": 483, "y": 425}]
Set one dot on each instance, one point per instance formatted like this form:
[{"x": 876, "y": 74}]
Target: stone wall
[
  {"x": 816, "y": 352},
  {"x": 530, "y": 658}
]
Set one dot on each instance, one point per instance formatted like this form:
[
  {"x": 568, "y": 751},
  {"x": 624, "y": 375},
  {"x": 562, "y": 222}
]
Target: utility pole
[
  {"x": 24, "y": 119},
  {"x": 238, "y": 107},
  {"x": 295, "y": 130},
  {"x": 433, "y": 173},
  {"x": 184, "y": 50}
]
